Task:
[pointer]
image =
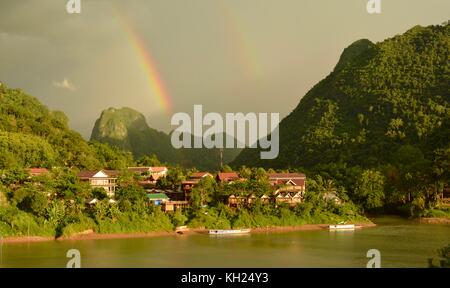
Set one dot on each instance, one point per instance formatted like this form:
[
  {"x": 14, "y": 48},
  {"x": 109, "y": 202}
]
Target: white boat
[
  {"x": 229, "y": 232},
  {"x": 342, "y": 227}
]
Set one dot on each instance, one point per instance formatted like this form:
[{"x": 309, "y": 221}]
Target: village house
[
  {"x": 156, "y": 172},
  {"x": 294, "y": 179},
  {"x": 444, "y": 197},
  {"x": 92, "y": 201},
  {"x": 235, "y": 201},
  {"x": 105, "y": 179},
  {"x": 161, "y": 198},
  {"x": 149, "y": 175},
  {"x": 33, "y": 172},
  {"x": 265, "y": 199},
  {"x": 157, "y": 198},
  {"x": 190, "y": 183},
  {"x": 290, "y": 198},
  {"x": 290, "y": 187},
  {"x": 228, "y": 177},
  {"x": 170, "y": 206}
]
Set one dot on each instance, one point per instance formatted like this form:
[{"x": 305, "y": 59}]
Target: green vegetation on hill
[
  {"x": 385, "y": 108},
  {"x": 127, "y": 129},
  {"x": 33, "y": 136},
  {"x": 379, "y": 98},
  {"x": 375, "y": 134}
]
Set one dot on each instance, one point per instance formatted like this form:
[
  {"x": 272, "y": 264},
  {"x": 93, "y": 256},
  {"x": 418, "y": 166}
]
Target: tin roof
[{"x": 157, "y": 196}]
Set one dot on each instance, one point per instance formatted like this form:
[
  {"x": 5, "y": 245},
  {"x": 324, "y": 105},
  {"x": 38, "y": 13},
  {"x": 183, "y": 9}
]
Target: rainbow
[
  {"x": 147, "y": 64},
  {"x": 246, "y": 54}
]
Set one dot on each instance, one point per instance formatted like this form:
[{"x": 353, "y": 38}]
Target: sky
[{"x": 164, "y": 56}]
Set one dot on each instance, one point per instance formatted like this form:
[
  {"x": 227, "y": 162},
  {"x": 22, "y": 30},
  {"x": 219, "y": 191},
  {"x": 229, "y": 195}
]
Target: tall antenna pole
[{"x": 221, "y": 158}]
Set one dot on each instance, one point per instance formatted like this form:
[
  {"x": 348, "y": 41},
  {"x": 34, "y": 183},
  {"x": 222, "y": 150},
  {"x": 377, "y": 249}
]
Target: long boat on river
[
  {"x": 343, "y": 227},
  {"x": 229, "y": 232}
]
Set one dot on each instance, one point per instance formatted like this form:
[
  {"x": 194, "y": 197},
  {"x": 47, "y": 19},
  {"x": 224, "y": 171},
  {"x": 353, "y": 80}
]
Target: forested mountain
[
  {"x": 127, "y": 129},
  {"x": 383, "y": 104},
  {"x": 33, "y": 136}
]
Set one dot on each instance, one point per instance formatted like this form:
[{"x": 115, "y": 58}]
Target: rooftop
[
  {"x": 157, "y": 196},
  {"x": 286, "y": 176}
]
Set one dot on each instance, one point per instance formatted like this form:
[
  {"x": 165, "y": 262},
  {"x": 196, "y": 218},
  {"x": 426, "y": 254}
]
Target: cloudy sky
[{"x": 229, "y": 55}]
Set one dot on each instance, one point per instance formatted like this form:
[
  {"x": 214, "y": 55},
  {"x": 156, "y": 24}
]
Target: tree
[
  {"x": 150, "y": 161},
  {"x": 259, "y": 174},
  {"x": 132, "y": 193},
  {"x": 111, "y": 157},
  {"x": 67, "y": 185},
  {"x": 245, "y": 172},
  {"x": 202, "y": 193},
  {"x": 29, "y": 199},
  {"x": 413, "y": 168},
  {"x": 55, "y": 212},
  {"x": 172, "y": 180},
  {"x": 441, "y": 173},
  {"x": 15, "y": 176},
  {"x": 444, "y": 258},
  {"x": 178, "y": 218},
  {"x": 226, "y": 169},
  {"x": 99, "y": 193},
  {"x": 369, "y": 189},
  {"x": 320, "y": 189}
]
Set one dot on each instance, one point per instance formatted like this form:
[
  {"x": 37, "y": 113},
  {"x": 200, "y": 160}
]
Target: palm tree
[{"x": 321, "y": 189}]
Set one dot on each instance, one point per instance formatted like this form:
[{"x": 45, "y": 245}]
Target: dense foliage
[
  {"x": 374, "y": 135},
  {"x": 55, "y": 204},
  {"x": 127, "y": 129},
  {"x": 33, "y": 136},
  {"x": 381, "y": 117}
]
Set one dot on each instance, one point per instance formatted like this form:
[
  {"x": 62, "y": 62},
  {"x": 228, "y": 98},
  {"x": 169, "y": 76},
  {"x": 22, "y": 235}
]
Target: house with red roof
[
  {"x": 289, "y": 187},
  {"x": 228, "y": 177},
  {"x": 37, "y": 171},
  {"x": 151, "y": 174}
]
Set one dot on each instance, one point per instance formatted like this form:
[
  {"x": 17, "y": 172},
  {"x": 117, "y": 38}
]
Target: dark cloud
[{"x": 229, "y": 55}]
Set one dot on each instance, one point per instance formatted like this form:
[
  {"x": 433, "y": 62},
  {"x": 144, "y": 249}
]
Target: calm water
[{"x": 402, "y": 243}]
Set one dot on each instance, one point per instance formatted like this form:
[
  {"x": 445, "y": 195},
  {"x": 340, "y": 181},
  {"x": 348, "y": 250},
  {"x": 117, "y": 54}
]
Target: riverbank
[
  {"x": 91, "y": 235},
  {"x": 434, "y": 220}
]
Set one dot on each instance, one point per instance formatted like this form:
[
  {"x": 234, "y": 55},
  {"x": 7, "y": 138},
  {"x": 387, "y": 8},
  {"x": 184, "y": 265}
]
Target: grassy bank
[
  {"x": 223, "y": 217},
  {"x": 16, "y": 223}
]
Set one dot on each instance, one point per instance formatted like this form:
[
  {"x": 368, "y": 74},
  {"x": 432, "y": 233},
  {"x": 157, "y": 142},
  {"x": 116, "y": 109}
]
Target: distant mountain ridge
[{"x": 127, "y": 129}]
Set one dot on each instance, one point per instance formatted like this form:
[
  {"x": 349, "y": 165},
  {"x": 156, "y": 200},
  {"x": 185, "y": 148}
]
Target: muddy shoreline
[{"x": 90, "y": 235}]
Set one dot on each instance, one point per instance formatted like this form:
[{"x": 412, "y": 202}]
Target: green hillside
[
  {"x": 127, "y": 129},
  {"x": 33, "y": 136},
  {"x": 380, "y": 100}
]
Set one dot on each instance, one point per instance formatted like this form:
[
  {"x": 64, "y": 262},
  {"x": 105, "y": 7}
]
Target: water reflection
[{"x": 401, "y": 243}]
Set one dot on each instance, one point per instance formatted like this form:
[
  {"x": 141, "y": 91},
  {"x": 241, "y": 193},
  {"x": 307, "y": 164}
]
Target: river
[{"x": 402, "y": 243}]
